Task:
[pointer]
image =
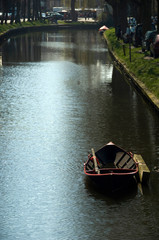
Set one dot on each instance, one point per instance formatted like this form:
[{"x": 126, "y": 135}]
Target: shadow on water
[{"x": 121, "y": 195}]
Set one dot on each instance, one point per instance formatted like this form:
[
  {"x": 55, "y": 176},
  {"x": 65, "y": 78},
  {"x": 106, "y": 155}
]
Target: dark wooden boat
[{"x": 111, "y": 167}]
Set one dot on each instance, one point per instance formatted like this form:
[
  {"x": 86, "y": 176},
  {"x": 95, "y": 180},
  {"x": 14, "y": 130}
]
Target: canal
[{"x": 61, "y": 95}]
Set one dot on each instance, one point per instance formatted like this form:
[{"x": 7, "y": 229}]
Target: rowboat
[
  {"x": 111, "y": 167},
  {"x": 103, "y": 29}
]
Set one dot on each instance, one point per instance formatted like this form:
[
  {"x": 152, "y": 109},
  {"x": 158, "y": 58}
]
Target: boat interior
[{"x": 110, "y": 156}]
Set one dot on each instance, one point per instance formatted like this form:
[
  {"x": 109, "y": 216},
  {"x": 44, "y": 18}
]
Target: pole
[{"x": 95, "y": 162}]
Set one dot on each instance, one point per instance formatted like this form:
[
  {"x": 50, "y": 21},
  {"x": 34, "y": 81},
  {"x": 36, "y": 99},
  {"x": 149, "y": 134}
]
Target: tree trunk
[
  {"x": 158, "y": 16},
  {"x": 2, "y": 11},
  {"x": 39, "y": 9},
  {"x": 120, "y": 9},
  {"x": 146, "y": 15},
  {"x": 18, "y": 4},
  {"x": 29, "y": 14},
  {"x": 73, "y": 12},
  {"x": 123, "y": 6},
  {"x": 6, "y": 10},
  {"x": 36, "y": 10},
  {"x": 13, "y": 11},
  {"x": 24, "y": 10},
  {"x": 33, "y": 15}
]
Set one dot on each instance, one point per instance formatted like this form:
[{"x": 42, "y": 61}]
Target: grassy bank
[
  {"x": 6, "y": 27},
  {"x": 142, "y": 66}
]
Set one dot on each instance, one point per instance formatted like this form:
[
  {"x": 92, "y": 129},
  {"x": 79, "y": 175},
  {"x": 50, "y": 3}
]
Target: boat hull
[{"x": 113, "y": 181}]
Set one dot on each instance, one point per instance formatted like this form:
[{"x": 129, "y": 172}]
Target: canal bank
[
  {"x": 22, "y": 28},
  {"x": 136, "y": 82}
]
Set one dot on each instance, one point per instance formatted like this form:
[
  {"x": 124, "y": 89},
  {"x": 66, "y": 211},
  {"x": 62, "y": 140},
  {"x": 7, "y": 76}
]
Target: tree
[
  {"x": 120, "y": 8},
  {"x": 141, "y": 10},
  {"x": 147, "y": 22},
  {"x": 39, "y": 9},
  {"x": 18, "y": 7},
  {"x": 24, "y": 10},
  {"x": 34, "y": 11},
  {"x": 29, "y": 10},
  {"x": 73, "y": 12},
  {"x": 158, "y": 16},
  {"x": 13, "y": 10},
  {"x": 143, "y": 13}
]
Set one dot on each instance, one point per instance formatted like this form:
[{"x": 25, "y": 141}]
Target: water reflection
[
  {"x": 108, "y": 197},
  {"x": 51, "y": 46}
]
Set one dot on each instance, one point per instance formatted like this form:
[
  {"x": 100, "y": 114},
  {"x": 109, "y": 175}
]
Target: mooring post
[{"x": 144, "y": 172}]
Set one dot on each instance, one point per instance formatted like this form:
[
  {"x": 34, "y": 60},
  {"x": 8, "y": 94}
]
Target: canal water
[{"x": 61, "y": 95}]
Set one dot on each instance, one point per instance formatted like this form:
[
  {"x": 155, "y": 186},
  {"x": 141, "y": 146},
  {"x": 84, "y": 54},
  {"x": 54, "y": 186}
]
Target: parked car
[
  {"x": 54, "y": 16},
  {"x": 58, "y": 16},
  {"x": 148, "y": 39},
  {"x": 154, "y": 47},
  {"x": 64, "y": 13},
  {"x": 137, "y": 36}
]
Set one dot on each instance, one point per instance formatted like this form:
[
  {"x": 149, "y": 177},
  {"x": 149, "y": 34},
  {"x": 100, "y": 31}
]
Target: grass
[
  {"x": 6, "y": 27},
  {"x": 143, "y": 67}
]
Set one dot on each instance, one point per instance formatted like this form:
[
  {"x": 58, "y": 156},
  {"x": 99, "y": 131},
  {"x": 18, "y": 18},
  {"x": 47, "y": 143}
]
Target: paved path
[
  {"x": 86, "y": 20},
  {"x": 79, "y": 20}
]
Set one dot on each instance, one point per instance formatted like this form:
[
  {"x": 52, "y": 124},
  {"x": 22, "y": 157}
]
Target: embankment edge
[{"x": 140, "y": 86}]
